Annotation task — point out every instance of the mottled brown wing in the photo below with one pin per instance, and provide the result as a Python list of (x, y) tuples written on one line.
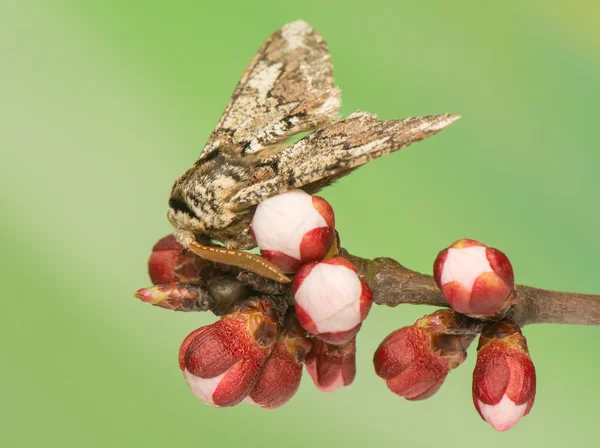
[(287, 88), (333, 151)]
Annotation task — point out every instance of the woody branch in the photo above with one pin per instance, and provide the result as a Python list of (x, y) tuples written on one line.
[(185, 282), (393, 284)]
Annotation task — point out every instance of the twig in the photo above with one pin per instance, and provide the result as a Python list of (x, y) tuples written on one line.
[(393, 284)]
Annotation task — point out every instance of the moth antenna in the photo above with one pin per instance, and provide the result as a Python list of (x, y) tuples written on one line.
[(241, 259)]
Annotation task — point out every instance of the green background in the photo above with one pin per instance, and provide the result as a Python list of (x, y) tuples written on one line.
[(104, 103)]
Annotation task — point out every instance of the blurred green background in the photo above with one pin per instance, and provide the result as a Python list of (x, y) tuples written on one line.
[(104, 103)]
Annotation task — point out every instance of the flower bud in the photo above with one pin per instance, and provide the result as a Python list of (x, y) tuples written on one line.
[(171, 263), (414, 361), (332, 366), (218, 295), (293, 228), (185, 296), (222, 362), (504, 376), (282, 372), (331, 299), (476, 280)]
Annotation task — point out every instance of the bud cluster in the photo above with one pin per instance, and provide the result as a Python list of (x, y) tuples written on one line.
[(478, 283), (223, 362), (296, 232), (255, 352)]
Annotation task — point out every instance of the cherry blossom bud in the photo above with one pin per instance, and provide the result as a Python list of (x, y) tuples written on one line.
[(282, 372), (476, 280), (293, 228), (222, 362), (331, 299), (171, 263), (504, 377), (414, 361), (332, 366)]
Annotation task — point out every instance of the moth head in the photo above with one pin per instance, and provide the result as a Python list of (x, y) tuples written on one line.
[(181, 216)]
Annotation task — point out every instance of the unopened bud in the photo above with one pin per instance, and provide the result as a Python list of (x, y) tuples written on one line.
[(186, 296), (282, 372), (171, 263), (293, 228), (222, 362), (476, 280), (414, 361), (504, 376), (331, 299)]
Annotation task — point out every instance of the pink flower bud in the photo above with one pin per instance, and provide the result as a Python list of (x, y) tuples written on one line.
[(293, 228), (171, 263), (476, 280), (331, 299), (222, 362), (414, 361), (504, 377), (282, 372), (332, 366)]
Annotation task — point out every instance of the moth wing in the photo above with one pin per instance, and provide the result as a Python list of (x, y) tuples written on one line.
[(332, 152), (287, 88)]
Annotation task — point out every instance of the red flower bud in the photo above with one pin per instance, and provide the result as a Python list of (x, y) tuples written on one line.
[(504, 377), (331, 299), (171, 263), (282, 372), (476, 280), (293, 228), (222, 362), (414, 361), (332, 366)]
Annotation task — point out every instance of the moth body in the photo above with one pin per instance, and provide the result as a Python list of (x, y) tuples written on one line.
[(200, 209), (287, 89)]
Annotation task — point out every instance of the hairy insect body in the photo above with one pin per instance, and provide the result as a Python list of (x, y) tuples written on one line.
[(199, 202)]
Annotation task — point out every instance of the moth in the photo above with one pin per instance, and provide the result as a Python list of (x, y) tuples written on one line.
[(287, 89)]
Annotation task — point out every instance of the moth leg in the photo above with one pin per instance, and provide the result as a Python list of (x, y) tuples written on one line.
[(241, 259)]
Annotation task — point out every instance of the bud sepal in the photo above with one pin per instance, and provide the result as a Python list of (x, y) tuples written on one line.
[(332, 366)]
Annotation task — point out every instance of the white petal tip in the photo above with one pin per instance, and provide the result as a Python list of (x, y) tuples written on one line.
[(503, 415), (203, 388), (465, 265)]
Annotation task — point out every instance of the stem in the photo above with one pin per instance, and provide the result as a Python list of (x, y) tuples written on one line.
[(392, 284)]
